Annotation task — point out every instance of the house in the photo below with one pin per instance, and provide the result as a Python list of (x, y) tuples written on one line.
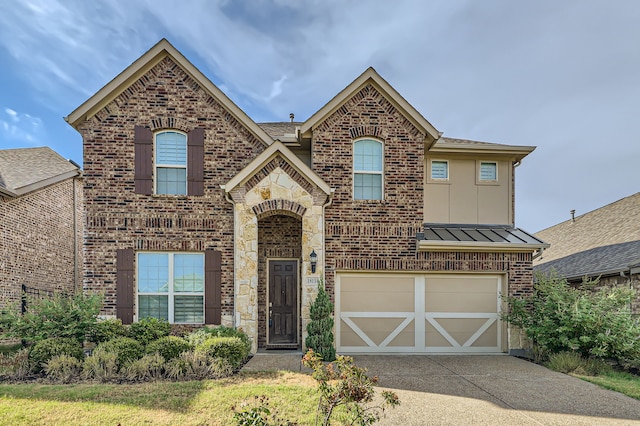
[(197, 214), (602, 244), (41, 223)]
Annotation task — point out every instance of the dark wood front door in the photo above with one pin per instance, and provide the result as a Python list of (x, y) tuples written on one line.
[(283, 302)]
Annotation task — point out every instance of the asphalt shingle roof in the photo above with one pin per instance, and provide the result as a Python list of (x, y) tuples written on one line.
[(278, 130), (604, 260), (23, 167)]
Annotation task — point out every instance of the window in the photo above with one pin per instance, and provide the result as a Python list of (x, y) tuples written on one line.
[(171, 163), (439, 170), (367, 170), (488, 171), (171, 287)]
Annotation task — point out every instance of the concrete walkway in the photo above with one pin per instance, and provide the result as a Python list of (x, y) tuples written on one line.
[(479, 390)]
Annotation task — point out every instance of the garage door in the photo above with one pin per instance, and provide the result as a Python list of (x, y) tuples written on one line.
[(443, 313)]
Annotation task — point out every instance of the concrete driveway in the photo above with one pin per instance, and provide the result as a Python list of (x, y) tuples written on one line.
[(493, 390), (479, 390)]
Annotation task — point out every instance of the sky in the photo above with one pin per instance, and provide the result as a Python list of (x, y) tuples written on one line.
[(560, 75)]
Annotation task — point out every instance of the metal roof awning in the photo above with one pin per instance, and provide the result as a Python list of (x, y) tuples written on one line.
[(445, 237)]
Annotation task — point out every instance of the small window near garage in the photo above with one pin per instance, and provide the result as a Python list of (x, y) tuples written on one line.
[(488, 171), (171, 163), (171, 287), (439, 170)]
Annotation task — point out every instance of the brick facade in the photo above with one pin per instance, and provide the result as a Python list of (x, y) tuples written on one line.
[(37, 240), (118, 218)]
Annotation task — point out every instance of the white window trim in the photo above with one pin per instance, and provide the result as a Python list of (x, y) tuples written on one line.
[(430, 174), (479, 179), (156, 165), (170, 294), (366, 172)]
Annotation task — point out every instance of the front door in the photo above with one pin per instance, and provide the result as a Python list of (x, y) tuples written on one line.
[(283, 302)]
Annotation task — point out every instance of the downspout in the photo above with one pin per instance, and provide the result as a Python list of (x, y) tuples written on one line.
[(228, 197)]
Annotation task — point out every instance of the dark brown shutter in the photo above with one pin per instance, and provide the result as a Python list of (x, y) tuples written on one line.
[(144, 160), (212, 287), (195, 162), (124, 285)]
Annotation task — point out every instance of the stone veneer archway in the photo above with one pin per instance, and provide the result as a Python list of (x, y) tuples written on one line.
[(281, 190)]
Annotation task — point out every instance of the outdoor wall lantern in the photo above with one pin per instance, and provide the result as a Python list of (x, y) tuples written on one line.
[(313, 257)]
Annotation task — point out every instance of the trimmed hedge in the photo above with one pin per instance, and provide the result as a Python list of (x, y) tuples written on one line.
[(125, 348), (232, 349), (169, 347), (42, 352)]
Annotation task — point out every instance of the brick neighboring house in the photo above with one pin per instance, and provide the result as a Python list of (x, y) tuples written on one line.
[(197, 214), (41, 222), (603, 243)]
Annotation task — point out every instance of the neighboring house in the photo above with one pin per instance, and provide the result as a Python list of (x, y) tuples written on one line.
[(197, 214), (602, 244), (41, 223)]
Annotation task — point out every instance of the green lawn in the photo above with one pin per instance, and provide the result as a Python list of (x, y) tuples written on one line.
[(625, 383), (293, 396)]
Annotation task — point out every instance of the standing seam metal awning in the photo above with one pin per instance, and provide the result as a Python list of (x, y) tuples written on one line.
[(478, 235)]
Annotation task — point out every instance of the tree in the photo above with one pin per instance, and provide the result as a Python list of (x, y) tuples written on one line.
[(320, 328)]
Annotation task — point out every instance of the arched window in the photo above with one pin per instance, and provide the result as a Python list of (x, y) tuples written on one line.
[(367, 170), (170, 163)]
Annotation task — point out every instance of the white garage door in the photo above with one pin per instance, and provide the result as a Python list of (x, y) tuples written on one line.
[(435, 313)]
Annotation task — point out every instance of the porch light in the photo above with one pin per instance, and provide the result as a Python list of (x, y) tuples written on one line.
[(313, 257)]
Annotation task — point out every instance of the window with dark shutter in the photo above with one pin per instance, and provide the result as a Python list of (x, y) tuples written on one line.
[(195, 168), (143, 139), (124, 285), (213, 287)]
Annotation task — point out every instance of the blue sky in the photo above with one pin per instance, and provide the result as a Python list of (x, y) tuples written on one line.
[(561, 75)]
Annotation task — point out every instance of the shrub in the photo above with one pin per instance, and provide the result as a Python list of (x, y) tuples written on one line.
[(126, 349), (169, 347), (257, 413), (15, 364), (320, 328), (558, 317), (105, 330), (565, 362), (101, 365), (68, 316), (230, 348), (193, 365), (150, 366), (63, 368), (44, 350), (149, 329), (197, 337), (343, 383)]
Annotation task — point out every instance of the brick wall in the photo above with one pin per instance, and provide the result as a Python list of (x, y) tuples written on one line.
[(380, 235), (116, 217), (37, 240), (279, 237), (632, 282)]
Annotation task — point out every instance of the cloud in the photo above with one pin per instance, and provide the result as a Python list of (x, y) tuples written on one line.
[(22, 127)]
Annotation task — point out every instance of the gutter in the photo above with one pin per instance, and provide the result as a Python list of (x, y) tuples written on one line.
[(479, 246)]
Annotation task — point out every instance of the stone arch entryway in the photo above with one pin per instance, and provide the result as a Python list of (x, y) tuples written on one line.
[(279, 290)]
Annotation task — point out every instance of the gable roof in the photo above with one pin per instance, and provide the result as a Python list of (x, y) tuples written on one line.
[(266, 156), (437, 236), (370, 76), (605, 260), (614, 223), (25, 170), (141, 66)]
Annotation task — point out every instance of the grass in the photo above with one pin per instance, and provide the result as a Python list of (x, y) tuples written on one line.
[(293, 396), (622, 382)]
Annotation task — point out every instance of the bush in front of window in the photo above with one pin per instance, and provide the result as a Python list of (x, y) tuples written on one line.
[(147, 330), (42, 352), (105, 330), (169, 347), (232, 349), (125, 348)]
